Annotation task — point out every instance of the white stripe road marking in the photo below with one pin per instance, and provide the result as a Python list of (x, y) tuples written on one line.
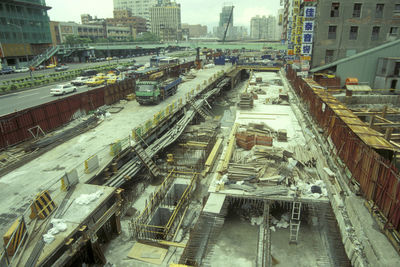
[(45, 96), (28, 95), (8, 95)]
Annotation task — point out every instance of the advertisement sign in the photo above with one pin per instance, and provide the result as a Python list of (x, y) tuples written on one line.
[(306, 49), (308, 26), (307, 37), (297, 49), (309, 12)]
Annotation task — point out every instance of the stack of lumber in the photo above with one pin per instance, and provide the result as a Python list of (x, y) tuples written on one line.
[(239, 172)]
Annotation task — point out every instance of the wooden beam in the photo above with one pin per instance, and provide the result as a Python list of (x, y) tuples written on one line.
[(388, 125), (370, 113), (382, 119)]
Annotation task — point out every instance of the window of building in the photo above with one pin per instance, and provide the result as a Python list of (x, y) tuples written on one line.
[(329, 55), (397, 69), (332, 32), (393, 31), (379, 11), (396, 9), (357, 10), (375, 33), (353, 33), (335, 10)]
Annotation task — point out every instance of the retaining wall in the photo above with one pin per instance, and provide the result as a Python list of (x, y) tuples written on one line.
[(372, 169)]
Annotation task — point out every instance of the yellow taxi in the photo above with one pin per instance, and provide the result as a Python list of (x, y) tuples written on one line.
[(101, 76), (51, 66), (95, 81), (112, 80)]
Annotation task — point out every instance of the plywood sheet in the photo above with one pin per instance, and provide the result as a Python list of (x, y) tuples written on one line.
[(147, 253)]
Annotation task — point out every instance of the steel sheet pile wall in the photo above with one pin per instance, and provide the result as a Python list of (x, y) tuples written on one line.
[(49, 116), (377, 176), (115, 92)]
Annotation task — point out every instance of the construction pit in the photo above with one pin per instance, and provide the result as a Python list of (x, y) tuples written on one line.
[(244, 183)]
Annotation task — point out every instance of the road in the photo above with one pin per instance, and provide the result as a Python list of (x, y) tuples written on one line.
[(30, 98), (17, 101), (71, 66)]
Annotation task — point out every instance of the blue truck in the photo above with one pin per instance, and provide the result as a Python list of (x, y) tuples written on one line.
[(156, 88)]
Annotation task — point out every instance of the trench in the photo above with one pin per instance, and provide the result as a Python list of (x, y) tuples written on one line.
[(231, 238)]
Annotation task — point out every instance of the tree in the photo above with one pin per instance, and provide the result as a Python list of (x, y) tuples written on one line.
[(75, 39), (147, 37)]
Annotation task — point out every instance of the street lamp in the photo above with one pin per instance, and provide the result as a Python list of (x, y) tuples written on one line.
[(23, 40)]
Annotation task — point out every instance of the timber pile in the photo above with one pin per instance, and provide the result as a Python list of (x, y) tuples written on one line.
[(243, 172)]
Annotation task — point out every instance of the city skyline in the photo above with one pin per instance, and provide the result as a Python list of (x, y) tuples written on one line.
[(193, 11)]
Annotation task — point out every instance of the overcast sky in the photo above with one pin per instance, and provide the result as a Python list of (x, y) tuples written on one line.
[(204, 12)]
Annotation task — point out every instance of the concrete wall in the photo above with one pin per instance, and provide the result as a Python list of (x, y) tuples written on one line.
[(342, 46), (365, 67)]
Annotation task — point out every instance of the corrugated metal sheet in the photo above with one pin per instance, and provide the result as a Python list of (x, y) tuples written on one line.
[(14, 127)]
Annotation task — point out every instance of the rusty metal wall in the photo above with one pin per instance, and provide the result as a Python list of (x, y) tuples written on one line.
[(49, 116), (377, 176)]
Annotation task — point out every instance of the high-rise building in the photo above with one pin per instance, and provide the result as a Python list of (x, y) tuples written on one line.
[(344, 28), (24, 30), (225, 16), (263, 28), (271, 28), (139, 8), (257, 27), (165, 20)]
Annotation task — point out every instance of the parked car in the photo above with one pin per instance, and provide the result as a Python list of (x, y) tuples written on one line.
[(51, 66), (6, 70), (63, 89), (40, 67), (21, 70), (61, 68), (79, 80)]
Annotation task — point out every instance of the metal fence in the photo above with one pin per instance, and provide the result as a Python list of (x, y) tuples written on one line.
[(372, 168)]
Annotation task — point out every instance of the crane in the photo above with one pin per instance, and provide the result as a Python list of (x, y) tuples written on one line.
[(227, 26)]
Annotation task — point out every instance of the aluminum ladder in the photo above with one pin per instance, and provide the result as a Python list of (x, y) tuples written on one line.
[(295, 223)]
